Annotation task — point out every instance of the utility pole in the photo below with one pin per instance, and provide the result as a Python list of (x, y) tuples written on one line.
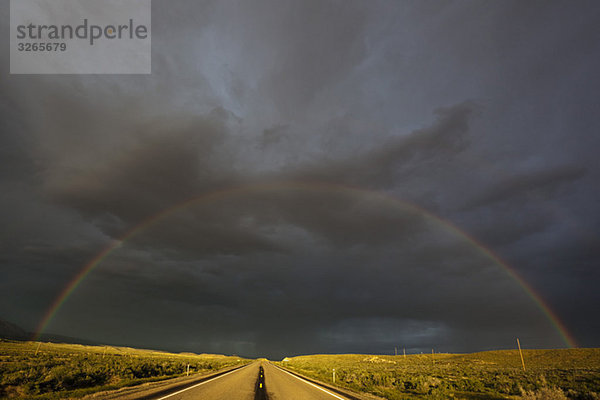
[(521, 354)]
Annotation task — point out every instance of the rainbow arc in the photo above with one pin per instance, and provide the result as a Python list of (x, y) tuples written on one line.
[(215, 196)]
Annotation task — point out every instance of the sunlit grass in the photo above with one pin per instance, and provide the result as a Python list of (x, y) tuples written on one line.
[(37, 370), (485, 375)]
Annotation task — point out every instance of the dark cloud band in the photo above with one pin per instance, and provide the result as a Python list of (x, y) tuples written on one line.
[(279, 187)]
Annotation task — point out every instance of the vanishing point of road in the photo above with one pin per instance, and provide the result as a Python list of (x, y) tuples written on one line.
[(256, 381)]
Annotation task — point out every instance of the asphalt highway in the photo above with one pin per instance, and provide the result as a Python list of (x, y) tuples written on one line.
[(257, 381), (283, 385)]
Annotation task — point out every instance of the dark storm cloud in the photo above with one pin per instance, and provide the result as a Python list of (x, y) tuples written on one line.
[(397, 157), (154, 172), (539, 184), (513, 228), (482, 115)]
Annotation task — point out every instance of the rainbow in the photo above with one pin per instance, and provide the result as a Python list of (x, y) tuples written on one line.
[(304, 186)]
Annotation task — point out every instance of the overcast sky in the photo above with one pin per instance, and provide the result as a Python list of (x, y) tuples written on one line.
[(482, 114)]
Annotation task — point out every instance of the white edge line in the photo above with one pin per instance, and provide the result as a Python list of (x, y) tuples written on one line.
[(310, 383), (201, 383)]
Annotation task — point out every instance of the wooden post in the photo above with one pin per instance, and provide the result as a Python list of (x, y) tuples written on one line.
[(521, 354), (188, 370), (334, 375)]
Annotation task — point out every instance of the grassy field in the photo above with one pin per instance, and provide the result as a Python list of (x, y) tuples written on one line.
[(35, 370), (550, 374)]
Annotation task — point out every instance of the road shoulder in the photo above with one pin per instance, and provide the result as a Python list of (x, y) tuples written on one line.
[(335, 389), (155, 389)]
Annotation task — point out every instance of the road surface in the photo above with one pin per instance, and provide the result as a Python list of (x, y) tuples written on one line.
[(282, 385), (245, 384)]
